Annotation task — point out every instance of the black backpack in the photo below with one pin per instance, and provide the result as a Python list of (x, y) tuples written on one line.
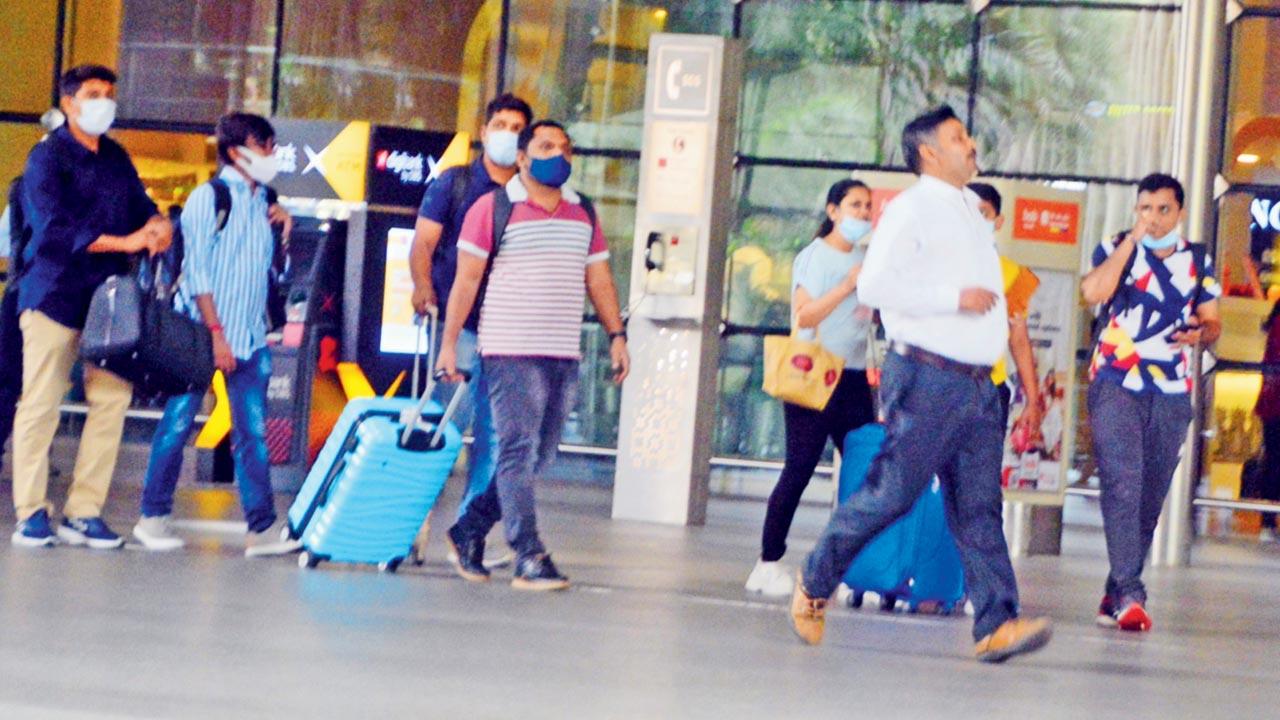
[(276, 295)]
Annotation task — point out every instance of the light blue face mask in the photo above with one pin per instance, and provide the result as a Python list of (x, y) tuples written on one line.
[(990, 225), (500, 146), (1160, 243), (853, 230)]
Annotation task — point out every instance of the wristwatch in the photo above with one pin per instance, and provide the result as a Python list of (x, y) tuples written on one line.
[(615, 335)]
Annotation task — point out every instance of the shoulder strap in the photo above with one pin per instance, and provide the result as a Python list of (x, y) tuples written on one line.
[(1109, 305), (461, 179), (590, 208), (502, 208), (221, 202)]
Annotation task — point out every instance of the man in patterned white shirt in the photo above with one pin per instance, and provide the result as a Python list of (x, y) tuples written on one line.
[(224, 284), (540, 259), (1159, 305)]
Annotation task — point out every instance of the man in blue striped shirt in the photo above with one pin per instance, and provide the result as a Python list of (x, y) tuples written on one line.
[(224, 284)]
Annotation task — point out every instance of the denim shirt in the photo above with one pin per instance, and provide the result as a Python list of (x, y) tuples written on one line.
[(72, 196)]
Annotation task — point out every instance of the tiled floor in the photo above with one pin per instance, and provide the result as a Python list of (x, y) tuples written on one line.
[(657, 626)]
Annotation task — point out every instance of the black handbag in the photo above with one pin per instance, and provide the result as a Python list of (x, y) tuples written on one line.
[(132, 330)]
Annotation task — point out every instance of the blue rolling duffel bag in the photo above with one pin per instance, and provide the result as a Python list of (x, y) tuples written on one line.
[(378, 475), (914, 559)]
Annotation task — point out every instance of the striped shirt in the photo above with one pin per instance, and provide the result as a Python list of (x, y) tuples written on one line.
[(537, 285), (231, 265)]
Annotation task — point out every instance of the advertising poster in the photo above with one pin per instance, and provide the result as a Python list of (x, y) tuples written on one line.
[(1036, 464), (398, 331)]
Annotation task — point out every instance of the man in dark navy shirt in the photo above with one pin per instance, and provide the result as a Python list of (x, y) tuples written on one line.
[(87, 211), (433, 262)]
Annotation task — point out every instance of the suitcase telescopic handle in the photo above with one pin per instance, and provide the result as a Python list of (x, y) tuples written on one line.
[(433, 313), (411, 417)]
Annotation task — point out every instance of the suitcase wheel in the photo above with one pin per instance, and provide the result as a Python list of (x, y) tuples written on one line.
[(308, 560), (888, 601), (390, 566), (286, 533)]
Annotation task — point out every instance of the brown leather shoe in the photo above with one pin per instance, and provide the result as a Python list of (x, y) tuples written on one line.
[(808, 615), (1014, 637)]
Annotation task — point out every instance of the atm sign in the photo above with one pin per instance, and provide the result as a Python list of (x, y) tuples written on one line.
[(1046, 221)]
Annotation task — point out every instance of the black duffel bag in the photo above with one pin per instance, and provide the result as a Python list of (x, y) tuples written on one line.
[(133, 331)]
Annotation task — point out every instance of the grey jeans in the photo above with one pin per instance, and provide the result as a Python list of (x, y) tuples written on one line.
[(938, 422), (1137, 440), (530, 398)]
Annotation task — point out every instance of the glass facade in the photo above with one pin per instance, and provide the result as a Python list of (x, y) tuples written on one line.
[(1048, 90), (1248, 251)]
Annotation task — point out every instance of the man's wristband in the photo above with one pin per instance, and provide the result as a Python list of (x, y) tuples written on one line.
[(615, 335), (215, 328)]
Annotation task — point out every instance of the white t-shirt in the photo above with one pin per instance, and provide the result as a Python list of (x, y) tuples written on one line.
[(818, 269)]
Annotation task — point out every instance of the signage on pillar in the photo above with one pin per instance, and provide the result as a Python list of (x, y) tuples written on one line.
[(322, 159), (1045, 221), (684, 81), (403, 161)]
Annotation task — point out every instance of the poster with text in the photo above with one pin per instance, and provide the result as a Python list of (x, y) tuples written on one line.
[(1034, 462), (398, 330)]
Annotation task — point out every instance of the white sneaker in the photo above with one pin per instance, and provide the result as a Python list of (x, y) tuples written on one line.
[(770, 579), (272, 541), (156, 534)]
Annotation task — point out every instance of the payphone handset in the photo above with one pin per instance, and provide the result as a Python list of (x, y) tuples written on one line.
[(671, 261)]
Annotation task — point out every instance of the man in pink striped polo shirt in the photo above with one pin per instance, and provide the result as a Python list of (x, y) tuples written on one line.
[(532, 282)]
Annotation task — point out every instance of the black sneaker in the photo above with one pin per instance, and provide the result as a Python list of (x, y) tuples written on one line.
[(467, 556), (537, 572)]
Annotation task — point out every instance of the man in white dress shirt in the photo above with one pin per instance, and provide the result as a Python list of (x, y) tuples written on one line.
[(933, 272)]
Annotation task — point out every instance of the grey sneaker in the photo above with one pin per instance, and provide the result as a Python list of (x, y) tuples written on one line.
[(156, 534), (271, 541)]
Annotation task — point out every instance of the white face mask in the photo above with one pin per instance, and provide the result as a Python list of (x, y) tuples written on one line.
[(260, 168), (500, 146), (96, 116)]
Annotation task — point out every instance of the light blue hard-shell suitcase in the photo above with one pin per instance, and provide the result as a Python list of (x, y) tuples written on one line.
[(378, 475)]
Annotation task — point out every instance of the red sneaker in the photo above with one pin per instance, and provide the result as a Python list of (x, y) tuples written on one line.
[(1133, 617)]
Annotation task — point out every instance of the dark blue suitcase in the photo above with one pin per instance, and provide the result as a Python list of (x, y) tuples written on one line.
[(914, 559), (884, 565)]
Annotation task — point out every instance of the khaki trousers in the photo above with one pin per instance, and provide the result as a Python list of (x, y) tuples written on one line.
[(49, 351)]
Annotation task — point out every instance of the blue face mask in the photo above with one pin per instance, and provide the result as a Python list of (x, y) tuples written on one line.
[(551, 171), (1160, 243), (990, 225), (853, 230)]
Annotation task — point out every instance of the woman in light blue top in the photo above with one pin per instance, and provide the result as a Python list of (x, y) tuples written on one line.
[(824, 277)]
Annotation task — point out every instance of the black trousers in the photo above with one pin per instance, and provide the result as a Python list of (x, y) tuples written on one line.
[(1271, 468), (807, 433), (10, 363)]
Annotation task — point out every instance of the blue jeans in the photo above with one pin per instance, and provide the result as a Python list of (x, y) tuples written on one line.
[(247, 391), (1137, 440), (938, 422), (481, 457), (530, 398)]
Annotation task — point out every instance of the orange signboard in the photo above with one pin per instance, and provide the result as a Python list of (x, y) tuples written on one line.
[(1046, 221), (879, 198)]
